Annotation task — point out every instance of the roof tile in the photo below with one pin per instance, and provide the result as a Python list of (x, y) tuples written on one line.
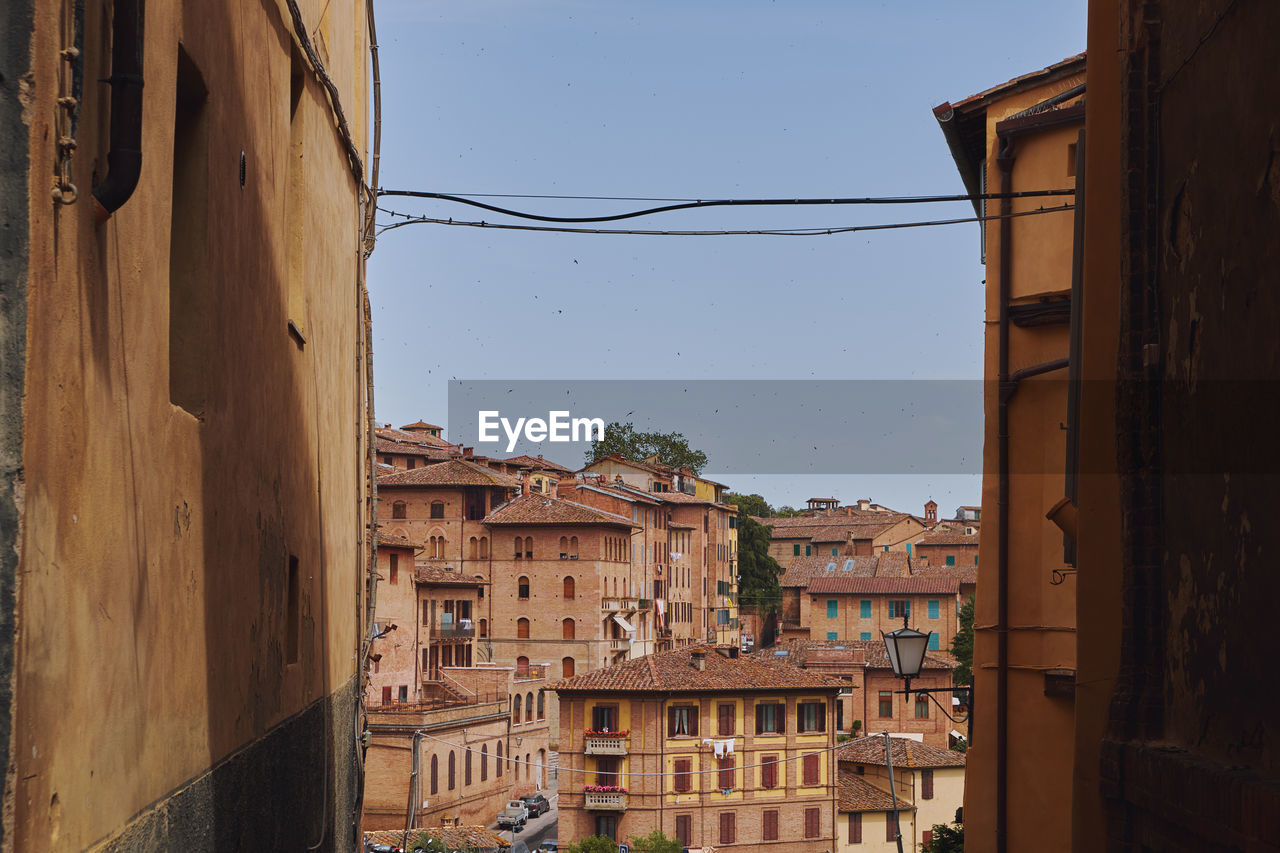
[(673, 671), (906, 753), (455, 472)]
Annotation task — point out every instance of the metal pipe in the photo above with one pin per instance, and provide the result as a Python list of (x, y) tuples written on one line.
[(1004, 159), (893, 791), (124, 156)]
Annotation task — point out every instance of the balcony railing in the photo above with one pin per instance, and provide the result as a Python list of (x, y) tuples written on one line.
[(606, 802), (619, 644), (626, 605), (532, 671), (454, 632), (606, 745)]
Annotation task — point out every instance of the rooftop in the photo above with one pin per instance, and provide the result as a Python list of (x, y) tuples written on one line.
[(455, 472), (674, 671), (835, 584), (948, 537), (906, 753), (856, 794), (803, 652), (388, 540), (537, 463), (544, 509), (441, 576)]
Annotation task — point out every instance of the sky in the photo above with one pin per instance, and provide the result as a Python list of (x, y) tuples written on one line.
[(709, 99)]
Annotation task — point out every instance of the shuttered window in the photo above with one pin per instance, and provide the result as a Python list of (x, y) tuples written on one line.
[(855, 828), (725, 719), (682, 720), (811, 768), (728, 827), (769, 771), (771, 718), (770, 832), (926, 784), (812, 717), (725, 776), (890, 826), (864, 608), (684, 829), (933, 608), (812, 823), (684, 775)]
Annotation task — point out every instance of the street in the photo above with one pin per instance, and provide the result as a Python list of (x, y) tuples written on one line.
[(537, 829)]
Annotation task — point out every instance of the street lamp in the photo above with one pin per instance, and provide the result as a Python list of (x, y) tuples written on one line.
[(906, 648)]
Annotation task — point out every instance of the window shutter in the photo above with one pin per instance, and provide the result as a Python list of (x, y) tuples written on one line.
[(694, 713), (770, 825), (822, 716), (684, 829), (759, 720), (683, 768), (726, 713), (811, 769), (812, 822), (726, 772), (855, 828), (890, 826), (671, 721), (926, 784)]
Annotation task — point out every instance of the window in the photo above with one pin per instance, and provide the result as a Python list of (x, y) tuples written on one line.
[(926, 784), (564, 547), (899, 609), (528, 706), (833, 608), (437, 509), (528, 547), (497, 769), (833, 635), (394, 573), (951, 559), (769, 771), (474, 549), (864, 608), (607, 770), (795, 550), (682, 720), (922, 707), (865, 635), (516, 704), (453, 771), (522, 588), (890, 826), (522, 628), (769, 831), (484, 627), (725, 775), (542, 704), (569, 589), (573, 547), (725, 719), (566, 668), (835, 552), (926, 836), (855, 828), (808, 550), (484, 547), (683, 775), (398, 510), (404, 693), (934, 641), (435, 774), (811, 717), (607, 826), (728, 827), (567, 630), (684, 829), (466, 768), (771, 718), (519, 547), (886, 703), (522, 665), (933, 608), (604, 717), (812, 823), (484, 762), (810, 769)]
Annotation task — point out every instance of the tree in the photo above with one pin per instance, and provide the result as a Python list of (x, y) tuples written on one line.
[(962, 645), (594, 844), (947, 838), (749, 504), (655, 842), (671, 447), (787, 512), (757, 572)]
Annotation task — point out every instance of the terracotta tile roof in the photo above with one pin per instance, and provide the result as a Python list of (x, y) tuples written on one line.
[(960, 574), (390, 540), (613, 490), (906, 753), (832, 585), (413, 437), (894, 564), (622, 460), (442, 575), (544, 509), (1030, 78), (673, 671), (537, 463), (414, 448), (948, 537), (680, 498), (802, 652), (455, 472), (804, 569), (468, 838), (421, 425), (856, 794)]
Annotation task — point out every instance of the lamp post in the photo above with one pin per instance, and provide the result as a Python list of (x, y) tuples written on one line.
[(906, 648)]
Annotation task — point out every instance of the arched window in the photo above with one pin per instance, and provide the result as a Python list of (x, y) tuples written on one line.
[(569, 589), (516, 705), (528, 547), (437, 509), (484, 627), (522, 588), (573, 546), (498, 768), (453, 770), (542, 704), (484, 547), (567, 630), (566, 668), (484, 762), (435, 774), (522, 628), (516, 761), (519, 547), (528, 706), (564, 547), (398, 510), (522, 665), (466, 768), (474, 549)]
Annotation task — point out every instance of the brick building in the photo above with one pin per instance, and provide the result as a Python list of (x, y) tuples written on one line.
[(867, 820), (843, 532), (928, 778), (944, 547), (842, 606), (664, 761)]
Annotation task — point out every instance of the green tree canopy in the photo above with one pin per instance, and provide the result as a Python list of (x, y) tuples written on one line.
[(757, 572), (947, 838), (962, 645), (749, 504), (671, 447), (594, 844), (655, 842)]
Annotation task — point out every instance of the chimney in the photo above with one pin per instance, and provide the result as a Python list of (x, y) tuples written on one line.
[(859, 655), (468, 452), (698, 660), (733, 652)]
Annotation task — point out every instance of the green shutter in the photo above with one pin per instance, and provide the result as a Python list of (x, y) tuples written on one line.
[(933, 609), (795, 550), (951, 559), (833, 635), (866, 635), (864, 609), (833, 608)]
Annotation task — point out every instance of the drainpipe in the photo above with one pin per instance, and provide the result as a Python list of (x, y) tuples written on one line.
[(124, 157)]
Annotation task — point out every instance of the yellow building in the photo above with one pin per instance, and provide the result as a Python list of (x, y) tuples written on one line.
[(184, 429), (1017, 137)]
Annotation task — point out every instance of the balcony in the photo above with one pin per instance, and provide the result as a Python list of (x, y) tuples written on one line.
[(623, 605), (619, 644), (532, 672), (454, 632), (614, 743), (606, 802)]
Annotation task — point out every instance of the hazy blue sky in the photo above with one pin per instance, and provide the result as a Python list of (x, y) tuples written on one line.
[(688, 100)]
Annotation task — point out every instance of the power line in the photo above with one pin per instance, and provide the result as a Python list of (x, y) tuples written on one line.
[(773, 232), (729, 202)]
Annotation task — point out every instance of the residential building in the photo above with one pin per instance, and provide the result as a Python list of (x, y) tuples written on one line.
[(841, 605), (947, 548), (844, 532), (185, 557), (869, 817), (413, 445), (930, 778), (872, 699), (712, 748), (1023, 135)]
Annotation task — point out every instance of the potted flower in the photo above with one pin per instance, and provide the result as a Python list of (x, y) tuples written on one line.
[(604, 789), (606, 733)]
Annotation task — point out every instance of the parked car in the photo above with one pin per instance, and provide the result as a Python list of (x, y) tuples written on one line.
[(537, 804), (549, 845), (513, 815)]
